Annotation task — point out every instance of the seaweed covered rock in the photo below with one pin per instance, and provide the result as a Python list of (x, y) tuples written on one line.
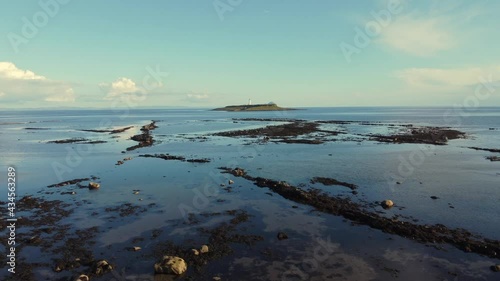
[(171, 265)]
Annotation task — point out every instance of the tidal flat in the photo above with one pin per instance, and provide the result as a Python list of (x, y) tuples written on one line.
[(289, 195)]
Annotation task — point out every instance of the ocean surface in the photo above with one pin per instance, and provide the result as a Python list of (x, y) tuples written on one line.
[(466, 183)]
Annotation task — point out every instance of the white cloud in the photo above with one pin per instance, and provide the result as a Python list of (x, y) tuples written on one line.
[(122, 87), (426, 30), (418, 36), (9, 71), (448, 78), (27, 86)]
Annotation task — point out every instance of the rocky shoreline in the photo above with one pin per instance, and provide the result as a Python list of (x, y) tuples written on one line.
[(340, 206), (310, 132), (144, 139), (48, 229)]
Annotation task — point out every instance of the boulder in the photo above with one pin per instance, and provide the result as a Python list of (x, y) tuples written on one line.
[(101, 267), (204, 249), (239, 172), (94, 185), (195, 252), (387, 204), (171, 265), (495, 268)]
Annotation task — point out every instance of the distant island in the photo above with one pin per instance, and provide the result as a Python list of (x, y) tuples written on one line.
[(254, 107)]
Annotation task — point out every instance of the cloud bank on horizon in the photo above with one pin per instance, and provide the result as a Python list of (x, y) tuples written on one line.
[(328, 53)]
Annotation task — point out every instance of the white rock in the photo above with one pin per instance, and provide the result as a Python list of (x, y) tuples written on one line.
[(387, 204), (204, 249)]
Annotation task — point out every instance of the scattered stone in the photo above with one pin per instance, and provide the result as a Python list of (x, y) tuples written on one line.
[(134, 249), (434, 197), (195, 252), (495, 268), (59, 267), (387, 204), (282, 236), (204, 249), (230, 181), (171, 265), (82, 277), (94, 185), (119, 163), (398, 182), (101, 267), (68, 192), (239, 172)]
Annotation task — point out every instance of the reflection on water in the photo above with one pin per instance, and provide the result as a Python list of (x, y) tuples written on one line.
[(463, 180)]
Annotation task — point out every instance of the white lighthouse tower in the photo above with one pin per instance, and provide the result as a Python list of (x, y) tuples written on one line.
[(249, 102)]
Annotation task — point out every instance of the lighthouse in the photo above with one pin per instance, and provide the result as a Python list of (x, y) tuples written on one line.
[(249, 102)]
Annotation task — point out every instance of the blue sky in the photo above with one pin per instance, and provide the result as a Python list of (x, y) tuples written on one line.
[(75, 53)]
